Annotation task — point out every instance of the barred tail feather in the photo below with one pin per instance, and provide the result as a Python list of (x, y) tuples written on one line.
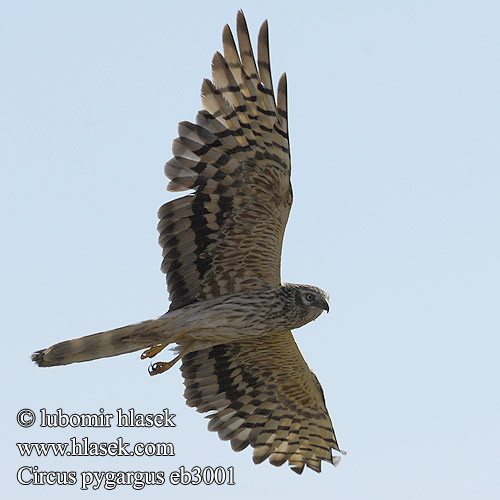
[(104, 344)]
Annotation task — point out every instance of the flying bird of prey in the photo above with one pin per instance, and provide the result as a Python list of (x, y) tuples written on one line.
[(231, 317)]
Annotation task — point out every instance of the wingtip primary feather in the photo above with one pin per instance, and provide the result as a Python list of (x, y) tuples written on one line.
[(283, 101), (263, 59)]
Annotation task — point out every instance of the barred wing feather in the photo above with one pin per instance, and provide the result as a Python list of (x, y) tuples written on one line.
[(227, 236), (263, 395)]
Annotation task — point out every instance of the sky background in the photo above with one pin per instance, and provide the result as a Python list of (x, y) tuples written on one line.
[(394, 125)]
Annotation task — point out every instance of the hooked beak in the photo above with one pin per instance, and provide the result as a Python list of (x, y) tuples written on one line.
[(326, 306)]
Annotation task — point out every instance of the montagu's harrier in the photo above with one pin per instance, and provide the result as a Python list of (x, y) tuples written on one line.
[(231, 317)]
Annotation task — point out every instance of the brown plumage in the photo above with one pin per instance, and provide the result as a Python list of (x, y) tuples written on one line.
[(264, 395), (230, 316)]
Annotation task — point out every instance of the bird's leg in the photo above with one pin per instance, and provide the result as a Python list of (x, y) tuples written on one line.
[(153, 351), (161, 367)]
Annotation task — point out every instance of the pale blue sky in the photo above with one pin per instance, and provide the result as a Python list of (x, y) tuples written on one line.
[(395, 126)]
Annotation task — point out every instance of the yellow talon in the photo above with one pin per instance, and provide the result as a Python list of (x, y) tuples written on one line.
[(153, 351), (162, 366)]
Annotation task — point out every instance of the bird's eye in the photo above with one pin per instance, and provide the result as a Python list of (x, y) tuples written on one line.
[(309, 297)]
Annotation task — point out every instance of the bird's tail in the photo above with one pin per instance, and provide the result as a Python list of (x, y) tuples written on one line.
[(104, 344)]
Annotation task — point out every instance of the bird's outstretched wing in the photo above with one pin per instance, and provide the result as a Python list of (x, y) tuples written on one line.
[(264, 395), (227, 236)]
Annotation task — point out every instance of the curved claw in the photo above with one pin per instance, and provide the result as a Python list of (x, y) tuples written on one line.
[(157, 368), (153, 351), (162, 366)]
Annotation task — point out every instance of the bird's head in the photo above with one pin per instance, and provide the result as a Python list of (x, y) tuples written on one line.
[(305, 303)]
